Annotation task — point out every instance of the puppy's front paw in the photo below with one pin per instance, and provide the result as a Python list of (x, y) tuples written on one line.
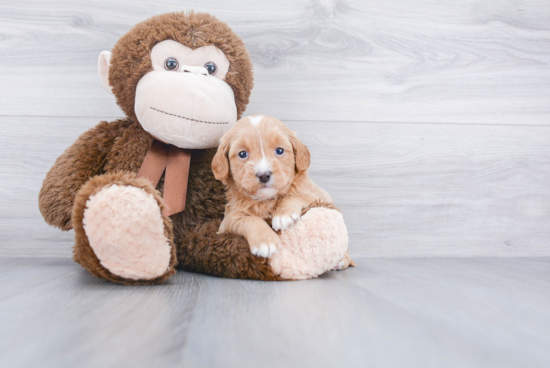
[(264, 250), (284, 222), (265, 245)]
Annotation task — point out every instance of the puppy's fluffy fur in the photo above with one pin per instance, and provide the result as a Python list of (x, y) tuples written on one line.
[(264, 166)]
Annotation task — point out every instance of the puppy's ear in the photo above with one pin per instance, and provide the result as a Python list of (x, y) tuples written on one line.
[(301, 153), (220, 163)]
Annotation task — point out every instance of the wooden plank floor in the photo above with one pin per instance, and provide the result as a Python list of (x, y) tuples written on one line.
[(384, 313)]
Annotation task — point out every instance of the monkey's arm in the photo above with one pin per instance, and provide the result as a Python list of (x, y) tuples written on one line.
[(81, 161)]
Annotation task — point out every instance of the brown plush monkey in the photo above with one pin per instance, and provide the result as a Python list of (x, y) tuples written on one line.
[(182, 80)]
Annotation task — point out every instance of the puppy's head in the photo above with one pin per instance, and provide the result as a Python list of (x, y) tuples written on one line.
[(260, 157)]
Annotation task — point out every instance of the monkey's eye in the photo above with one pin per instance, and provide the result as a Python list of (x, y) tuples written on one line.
[(171, 64), (243, 154), (279, 151), (211, 67)]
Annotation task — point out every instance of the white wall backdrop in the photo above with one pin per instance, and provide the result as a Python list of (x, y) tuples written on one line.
[(428, 120)]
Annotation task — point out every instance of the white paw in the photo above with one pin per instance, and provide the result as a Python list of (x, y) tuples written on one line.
[(339, 266), (264, 250), (284, 222)]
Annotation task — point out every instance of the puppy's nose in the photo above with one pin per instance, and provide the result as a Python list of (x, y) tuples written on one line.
[(264, 176)]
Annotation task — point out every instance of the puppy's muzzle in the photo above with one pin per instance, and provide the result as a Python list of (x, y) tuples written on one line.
[(264, 177)]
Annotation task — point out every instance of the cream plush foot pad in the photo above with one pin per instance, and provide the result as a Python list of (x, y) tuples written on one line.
[(316, 244), (125, 229)]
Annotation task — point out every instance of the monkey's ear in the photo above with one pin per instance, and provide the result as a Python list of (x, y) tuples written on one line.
[(103, 64), (301, 153), (220, 163)]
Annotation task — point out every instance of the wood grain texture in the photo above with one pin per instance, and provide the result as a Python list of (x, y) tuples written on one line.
[(414, 190), (473, 61), (463, 171), (436, 189), (384, 313)]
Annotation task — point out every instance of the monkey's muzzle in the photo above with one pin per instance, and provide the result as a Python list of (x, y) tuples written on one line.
[(188, 110)]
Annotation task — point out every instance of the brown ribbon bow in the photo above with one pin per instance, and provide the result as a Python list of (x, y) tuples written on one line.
[(175, 161)]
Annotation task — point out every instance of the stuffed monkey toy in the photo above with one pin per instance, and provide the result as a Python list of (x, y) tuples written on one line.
[(140, 193)]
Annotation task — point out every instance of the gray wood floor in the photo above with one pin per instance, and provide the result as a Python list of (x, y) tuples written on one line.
[(384, 313)]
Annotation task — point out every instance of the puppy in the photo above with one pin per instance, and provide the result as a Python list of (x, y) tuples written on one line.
[(264, 166)]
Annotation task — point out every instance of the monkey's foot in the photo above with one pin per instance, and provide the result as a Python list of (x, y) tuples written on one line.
[(123, 227), (316, 244)]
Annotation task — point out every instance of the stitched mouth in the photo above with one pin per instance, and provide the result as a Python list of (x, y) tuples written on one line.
[(195, 120)]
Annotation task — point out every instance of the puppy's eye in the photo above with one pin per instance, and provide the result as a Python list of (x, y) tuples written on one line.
[(211, 67), (243, 154), (171, 64), (279, 151)]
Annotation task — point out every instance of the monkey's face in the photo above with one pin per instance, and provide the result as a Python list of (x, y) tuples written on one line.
[(184, 100), (185, 77)]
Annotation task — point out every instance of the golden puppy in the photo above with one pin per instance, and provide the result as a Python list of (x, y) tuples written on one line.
[(264, 166)]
